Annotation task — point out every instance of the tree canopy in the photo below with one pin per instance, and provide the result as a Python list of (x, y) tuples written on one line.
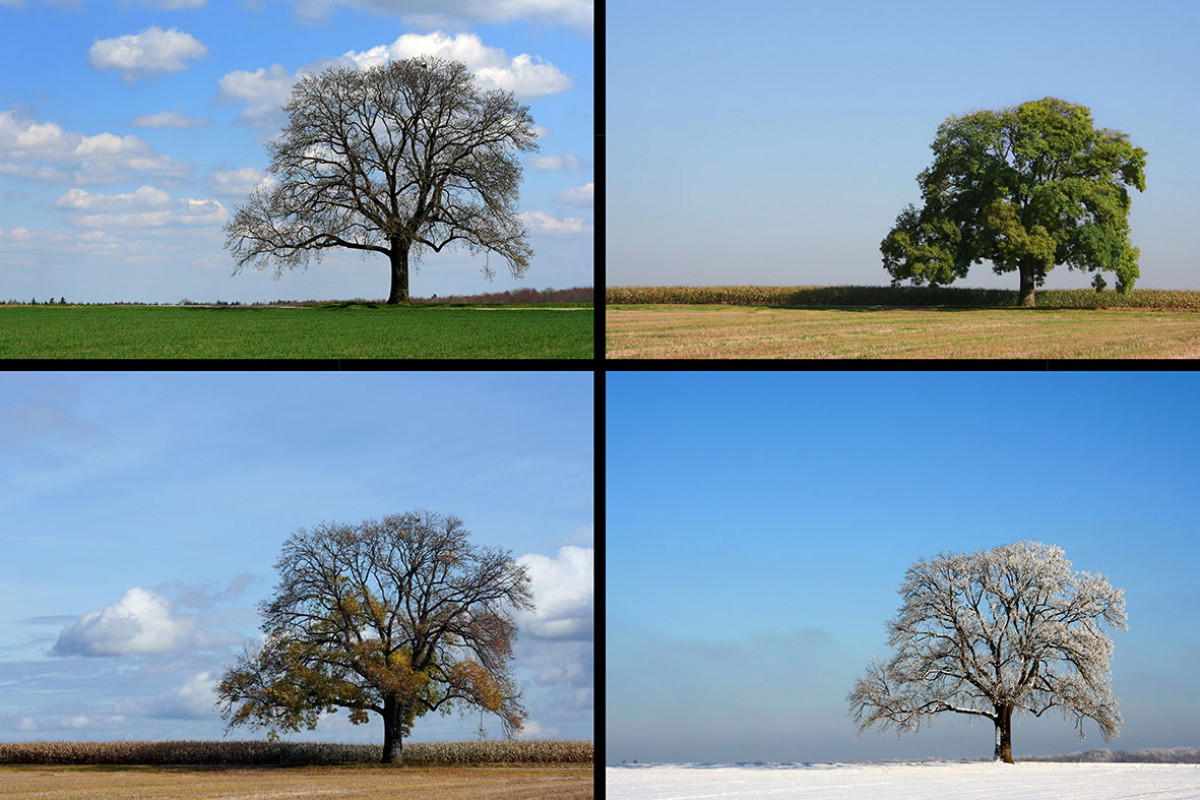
[(993, 633), (399, 617), (392, 159), (1027, 188)]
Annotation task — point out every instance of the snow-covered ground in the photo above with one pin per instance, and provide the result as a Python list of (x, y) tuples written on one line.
[(945, 781)]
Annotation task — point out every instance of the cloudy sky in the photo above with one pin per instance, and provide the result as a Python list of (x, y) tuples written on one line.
[(759, 527), (130, 130), (144, 512), (772, 142)]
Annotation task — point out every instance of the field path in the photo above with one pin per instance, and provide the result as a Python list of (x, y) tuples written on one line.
[(908, 782)]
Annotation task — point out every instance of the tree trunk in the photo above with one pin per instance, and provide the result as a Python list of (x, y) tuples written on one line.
[(1027, 283), (1004, 734), (399, 260), (393, 744)]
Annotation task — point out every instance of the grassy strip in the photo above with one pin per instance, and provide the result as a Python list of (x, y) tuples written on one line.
[(291, 753), (902, 296), (285, 333)]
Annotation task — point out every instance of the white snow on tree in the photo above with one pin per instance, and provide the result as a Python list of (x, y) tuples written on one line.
[(1011, 630)]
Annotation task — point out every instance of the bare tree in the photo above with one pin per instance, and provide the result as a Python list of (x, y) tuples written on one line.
[(390, 159), (992, 634), (399, 617)]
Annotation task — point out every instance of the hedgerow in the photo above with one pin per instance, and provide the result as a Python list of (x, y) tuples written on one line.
[(900, 296), (291, 753)]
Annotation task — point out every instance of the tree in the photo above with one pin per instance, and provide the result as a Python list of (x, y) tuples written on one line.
[(391, 159), (399, 617), (1027, 188), (992, 634)]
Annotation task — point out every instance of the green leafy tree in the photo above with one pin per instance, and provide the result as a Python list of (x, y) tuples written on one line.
[(399, 617), (1027, 188)]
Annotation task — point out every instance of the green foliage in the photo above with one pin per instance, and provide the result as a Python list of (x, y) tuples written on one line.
[(1027, 188), (290, 753), (898, 296)]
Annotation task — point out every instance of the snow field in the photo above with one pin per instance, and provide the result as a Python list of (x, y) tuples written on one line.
[(944, 781)]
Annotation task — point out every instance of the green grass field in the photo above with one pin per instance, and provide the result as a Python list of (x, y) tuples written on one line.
[(338, 331)]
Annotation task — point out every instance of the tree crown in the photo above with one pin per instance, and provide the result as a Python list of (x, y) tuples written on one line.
[(402, 611), (409, 154), (1026, 188), (1013, 627)]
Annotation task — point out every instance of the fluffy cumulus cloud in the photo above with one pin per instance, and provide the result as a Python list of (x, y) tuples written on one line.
[(151, 51), (556, 162), (141, 621), (578, 195), (44, 151), (559, 226), (264, 91), (148, 207), (168, 119), (563, 593), (193, 700), (524, 75)]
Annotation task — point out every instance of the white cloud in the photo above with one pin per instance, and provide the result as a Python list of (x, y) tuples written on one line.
[(140, 622), (168, 119), (148, 207), (578, 195), (577, 14), (524, 75), (549, 163), (532, 729), (239, 182), (193, 700), (563, 593), (264, 91), (152, 50), (44, 151), (546, 223)]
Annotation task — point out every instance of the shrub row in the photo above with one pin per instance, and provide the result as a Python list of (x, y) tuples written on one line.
[(897, 296), (290, 753)]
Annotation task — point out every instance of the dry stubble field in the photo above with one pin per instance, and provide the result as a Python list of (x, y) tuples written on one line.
[(278, 783), (682, 331)]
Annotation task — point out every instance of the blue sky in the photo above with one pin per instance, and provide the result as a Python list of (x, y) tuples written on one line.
[(131, 129), (759, 526), (774, 143), (165, 499)]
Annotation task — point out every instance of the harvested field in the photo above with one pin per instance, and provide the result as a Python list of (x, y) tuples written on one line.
[(723, 332), (274, 783)]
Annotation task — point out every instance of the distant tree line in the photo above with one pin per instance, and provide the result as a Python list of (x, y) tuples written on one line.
[(582, 294)]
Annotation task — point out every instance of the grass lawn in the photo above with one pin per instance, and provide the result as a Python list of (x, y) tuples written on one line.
[(710, 331), (287, 333), (345, 783)]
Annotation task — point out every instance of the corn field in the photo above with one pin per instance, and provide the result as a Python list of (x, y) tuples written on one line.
[(896, 296), (292, 753)]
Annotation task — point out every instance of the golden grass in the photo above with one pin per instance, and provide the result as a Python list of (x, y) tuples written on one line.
[(275, 783), (722, 332)]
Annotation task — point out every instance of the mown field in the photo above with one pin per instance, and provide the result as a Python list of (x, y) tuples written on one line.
[(722, 332), (897, 323), (517, 782), (333, 332)]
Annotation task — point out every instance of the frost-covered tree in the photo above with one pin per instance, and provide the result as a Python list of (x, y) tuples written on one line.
[(995, 633)]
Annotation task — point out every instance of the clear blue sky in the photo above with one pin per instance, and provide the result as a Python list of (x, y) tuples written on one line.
[(774, 143), (131, 129), (162, 501), (759, 526)]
